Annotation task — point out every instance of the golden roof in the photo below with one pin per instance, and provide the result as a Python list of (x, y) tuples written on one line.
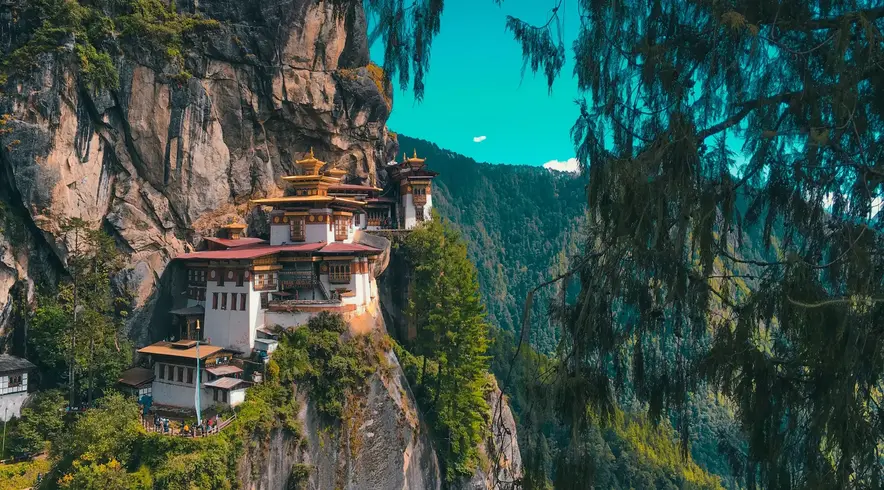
[(311, 164), (414, 159), (307, 199), (234, 226), (293, 199), (308, 179), (336, 172)]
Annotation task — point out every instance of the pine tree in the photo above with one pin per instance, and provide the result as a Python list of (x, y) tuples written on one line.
[(80, 327), (452, 334)]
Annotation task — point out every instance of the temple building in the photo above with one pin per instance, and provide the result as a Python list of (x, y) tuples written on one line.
[(318, 258), (413, 183), (13, 385), (175, 375)]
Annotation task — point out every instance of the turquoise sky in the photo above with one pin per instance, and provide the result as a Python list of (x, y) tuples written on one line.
[(475, 89)]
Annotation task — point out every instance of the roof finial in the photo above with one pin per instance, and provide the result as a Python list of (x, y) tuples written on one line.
[(415, 153), (311, 152), (404, 157)]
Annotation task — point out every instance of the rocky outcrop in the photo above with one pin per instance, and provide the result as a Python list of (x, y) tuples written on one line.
[(162, 161), (382, 443), (503, 468)]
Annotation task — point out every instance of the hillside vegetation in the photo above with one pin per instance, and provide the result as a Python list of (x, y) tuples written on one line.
[(521, 224)]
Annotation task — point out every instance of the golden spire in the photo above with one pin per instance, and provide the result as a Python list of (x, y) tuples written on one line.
[(311, 164), (415, 154)]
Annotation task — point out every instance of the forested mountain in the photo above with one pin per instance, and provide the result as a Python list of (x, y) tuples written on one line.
[(520, 222), (521, 225)]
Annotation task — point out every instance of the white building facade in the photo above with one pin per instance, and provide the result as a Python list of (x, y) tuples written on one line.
[(13, 385)]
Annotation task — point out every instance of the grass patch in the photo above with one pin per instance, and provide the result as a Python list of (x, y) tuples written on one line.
[(22, 475)]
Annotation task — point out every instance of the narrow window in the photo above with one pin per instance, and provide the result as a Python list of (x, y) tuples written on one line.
[(297, 229), (180, 374), (223, 301), (214, 301), (215, 395), (240, 278), (162, 370), (242, 301), (220, 277), (190, 376), (233, 301), (224, 396)]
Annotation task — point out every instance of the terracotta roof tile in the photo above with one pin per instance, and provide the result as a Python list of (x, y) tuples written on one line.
[(239, 242), (250, 252), (225, 383), (168, 349), (338, 247), (136, 377)]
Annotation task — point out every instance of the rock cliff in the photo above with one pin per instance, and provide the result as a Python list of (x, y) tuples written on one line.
[(381, 444), (162, 160)]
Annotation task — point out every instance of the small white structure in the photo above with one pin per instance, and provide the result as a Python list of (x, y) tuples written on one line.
[(415, 184), (175, 375), (13, 385)]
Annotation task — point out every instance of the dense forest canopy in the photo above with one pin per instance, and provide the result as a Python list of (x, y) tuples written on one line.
[(670, 300)]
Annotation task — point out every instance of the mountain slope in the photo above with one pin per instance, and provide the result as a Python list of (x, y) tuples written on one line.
[(520, 224)]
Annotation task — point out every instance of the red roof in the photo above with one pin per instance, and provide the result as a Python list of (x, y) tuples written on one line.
[(246, 253), (380, 200), (240, 242), (338, 247), (352, 187)]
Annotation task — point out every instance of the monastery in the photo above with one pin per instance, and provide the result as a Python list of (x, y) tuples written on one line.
[(318, 258)]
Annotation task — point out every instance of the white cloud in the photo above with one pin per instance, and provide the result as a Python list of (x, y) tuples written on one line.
[(479, 139), (571, 165)]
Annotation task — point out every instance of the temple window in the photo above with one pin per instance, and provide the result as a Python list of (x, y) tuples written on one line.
[(339, 273), (223, 301), (297, 227), (240, 278), (264, 281), (214, 301), (419, 213), (342, 228), (242, 301)]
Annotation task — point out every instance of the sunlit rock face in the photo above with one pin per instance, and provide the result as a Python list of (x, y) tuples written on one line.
[(161, 161)]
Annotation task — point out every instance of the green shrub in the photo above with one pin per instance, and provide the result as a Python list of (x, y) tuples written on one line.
[(329, 365)]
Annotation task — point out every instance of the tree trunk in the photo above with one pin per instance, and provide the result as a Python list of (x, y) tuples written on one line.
[(91, 369)]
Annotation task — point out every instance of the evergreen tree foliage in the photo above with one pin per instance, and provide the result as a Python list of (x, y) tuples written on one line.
[(666, 84), (91, 452), (452, 335), (796, 342), (78, 331), (323, 357), (520, 225), (40, 421)]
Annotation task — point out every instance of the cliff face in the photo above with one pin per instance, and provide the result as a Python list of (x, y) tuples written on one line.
[(160, 162), (381, 444)]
